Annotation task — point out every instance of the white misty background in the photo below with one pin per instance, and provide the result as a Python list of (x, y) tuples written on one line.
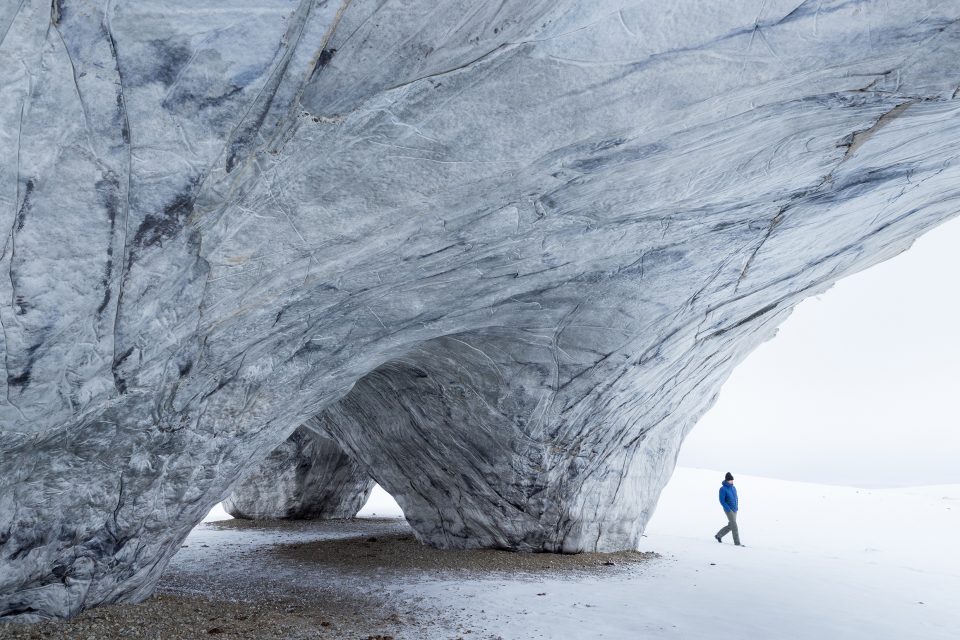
[(861, 387)]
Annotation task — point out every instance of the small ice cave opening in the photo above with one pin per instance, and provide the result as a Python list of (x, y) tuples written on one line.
[(380, 504)]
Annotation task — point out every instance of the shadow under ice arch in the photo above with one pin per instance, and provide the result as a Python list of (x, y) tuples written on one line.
[(241, 225)]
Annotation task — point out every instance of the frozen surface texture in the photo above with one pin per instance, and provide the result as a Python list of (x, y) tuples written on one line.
[(308, 476), (505, 252)]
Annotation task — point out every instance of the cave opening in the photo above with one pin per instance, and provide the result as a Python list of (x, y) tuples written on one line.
[(380, 504), (859, 386)]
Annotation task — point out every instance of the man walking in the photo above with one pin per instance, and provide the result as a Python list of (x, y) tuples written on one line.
[(728, 499)]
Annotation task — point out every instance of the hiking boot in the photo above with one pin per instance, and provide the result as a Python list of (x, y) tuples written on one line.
[(717, 538)]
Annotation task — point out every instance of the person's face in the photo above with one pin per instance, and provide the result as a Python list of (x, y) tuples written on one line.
[(729, 481)]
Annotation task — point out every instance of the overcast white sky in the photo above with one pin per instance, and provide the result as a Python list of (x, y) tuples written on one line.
[(860, 387)]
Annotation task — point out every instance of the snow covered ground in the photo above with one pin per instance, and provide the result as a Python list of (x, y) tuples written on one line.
[(820, 562)]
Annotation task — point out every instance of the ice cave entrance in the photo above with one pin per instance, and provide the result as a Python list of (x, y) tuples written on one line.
[(859, 387), (380, 504)]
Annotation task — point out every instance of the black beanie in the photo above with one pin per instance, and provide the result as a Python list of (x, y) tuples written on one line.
[(728, 477)]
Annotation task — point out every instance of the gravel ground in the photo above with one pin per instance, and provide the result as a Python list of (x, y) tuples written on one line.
[(399, 553), (164, 616), (311, 579)]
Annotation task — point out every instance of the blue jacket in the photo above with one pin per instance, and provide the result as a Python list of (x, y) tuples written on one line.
[(728, 497)]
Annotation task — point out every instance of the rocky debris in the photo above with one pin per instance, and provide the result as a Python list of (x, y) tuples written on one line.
[(192, 618), (402, 552)]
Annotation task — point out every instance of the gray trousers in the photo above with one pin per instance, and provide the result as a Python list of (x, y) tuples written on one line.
[(731, 526)]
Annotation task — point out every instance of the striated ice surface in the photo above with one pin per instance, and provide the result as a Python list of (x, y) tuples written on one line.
[(504, 253)]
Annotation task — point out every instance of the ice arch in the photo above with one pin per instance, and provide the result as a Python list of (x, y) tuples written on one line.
[(241, 220), (308, 476)]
